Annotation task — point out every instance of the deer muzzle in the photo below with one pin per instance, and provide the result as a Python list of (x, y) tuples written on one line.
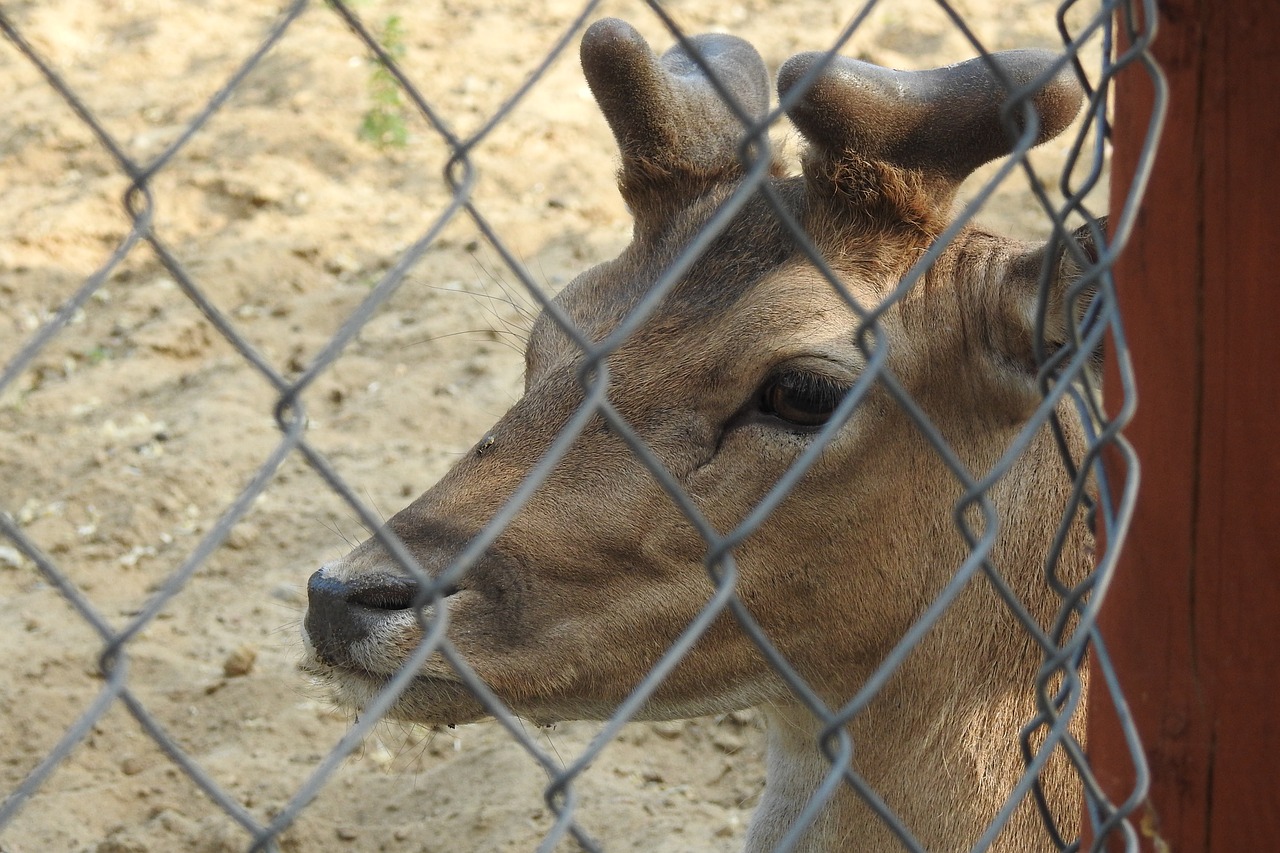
[(346, 616)]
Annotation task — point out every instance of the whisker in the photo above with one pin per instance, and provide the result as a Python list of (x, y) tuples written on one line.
[(515, 298), (550, 776), (518, 327), (382, 515), (332, 526), (499, 340), (482, 295), (551, 743)]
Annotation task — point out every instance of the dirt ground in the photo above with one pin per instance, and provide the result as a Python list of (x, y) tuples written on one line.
[(134, 429)]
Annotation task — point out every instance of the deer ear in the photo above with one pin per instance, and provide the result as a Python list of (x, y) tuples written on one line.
[(676, 132), (1048, 291)]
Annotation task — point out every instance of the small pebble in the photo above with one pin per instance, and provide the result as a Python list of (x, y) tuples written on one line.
[(240, 662)]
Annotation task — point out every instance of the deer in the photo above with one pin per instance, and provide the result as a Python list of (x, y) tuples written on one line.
[(728, 377)]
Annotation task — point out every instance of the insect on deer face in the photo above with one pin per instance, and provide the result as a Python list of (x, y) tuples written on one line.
[(737, 371)]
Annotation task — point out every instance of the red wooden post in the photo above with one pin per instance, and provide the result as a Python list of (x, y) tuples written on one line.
[(1193, 619)]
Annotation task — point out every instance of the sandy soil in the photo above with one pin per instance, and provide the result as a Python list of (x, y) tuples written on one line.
[(136, 427)]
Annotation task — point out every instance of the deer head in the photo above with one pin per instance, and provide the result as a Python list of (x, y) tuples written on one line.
[(726, 380)]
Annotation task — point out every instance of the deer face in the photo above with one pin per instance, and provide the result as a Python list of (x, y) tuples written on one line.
[(736, 372)]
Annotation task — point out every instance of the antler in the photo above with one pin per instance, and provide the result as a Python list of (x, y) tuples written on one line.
[(666, 115), (944, 122)]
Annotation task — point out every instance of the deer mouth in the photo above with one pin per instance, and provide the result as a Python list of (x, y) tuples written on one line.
[(366, 620), (358, 634), (426, 700)]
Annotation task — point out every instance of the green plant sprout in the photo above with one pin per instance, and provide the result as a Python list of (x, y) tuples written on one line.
[(385, 122)]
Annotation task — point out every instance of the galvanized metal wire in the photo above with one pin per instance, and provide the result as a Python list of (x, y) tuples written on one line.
[(1064, 647)]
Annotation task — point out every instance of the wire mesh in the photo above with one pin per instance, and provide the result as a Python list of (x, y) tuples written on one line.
[(1117, 32)]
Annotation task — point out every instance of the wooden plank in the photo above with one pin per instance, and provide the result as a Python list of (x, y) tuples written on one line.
[(1238, 531), (1192, 619)]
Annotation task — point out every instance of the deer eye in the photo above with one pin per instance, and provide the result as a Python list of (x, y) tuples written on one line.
[(802, 399)]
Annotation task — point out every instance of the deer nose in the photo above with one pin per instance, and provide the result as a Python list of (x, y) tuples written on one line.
[(341, 613)]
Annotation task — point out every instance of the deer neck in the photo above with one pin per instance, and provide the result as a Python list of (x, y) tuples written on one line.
[(943, 767)]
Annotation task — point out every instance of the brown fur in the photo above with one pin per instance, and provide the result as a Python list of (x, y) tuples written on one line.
[(600, 570)]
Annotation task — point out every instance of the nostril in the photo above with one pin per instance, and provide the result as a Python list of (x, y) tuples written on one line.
[(378, 592), (391, 593), (387, 593)]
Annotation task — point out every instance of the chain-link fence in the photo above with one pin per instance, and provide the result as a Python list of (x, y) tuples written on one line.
[(125, 517)]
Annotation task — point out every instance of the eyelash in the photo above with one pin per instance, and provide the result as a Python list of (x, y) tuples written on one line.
[(801, 398)]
